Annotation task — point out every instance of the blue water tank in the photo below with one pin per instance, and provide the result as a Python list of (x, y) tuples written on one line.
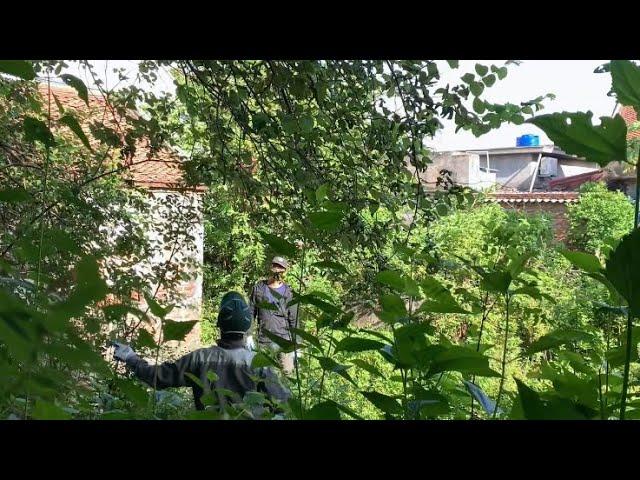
[(528, 141)]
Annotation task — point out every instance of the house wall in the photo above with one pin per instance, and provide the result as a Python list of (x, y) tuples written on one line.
[(568, 168), (177, 231), (514, 171)]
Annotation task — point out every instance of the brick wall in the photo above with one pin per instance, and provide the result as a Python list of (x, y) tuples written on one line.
[(557, 211)]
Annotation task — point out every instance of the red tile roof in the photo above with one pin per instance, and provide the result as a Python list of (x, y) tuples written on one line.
[(574, 181), (160, 169), (533, 197), (630, 117)]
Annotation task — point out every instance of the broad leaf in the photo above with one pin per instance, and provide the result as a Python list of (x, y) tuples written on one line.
[(329, 220), (261, 359), (482, 398), (48, 411), (73, 124), (584, 261), (37, 131), (14, 195), (576, 135), (460, 359), (327, 410), (18, 68), (279, 245), (156, 308), (172, 330), (623, 270), (331, 266), (367, 367), (387, 404), (555, 339), (391, 279), (78, 85), (357, 344), (331, 365), (312, 339), (625, 77)]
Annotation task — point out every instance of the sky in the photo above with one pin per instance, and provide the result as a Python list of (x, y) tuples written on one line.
[(573, 82)]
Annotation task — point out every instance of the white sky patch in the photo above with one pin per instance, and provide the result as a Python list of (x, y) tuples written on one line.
[(573, 82)]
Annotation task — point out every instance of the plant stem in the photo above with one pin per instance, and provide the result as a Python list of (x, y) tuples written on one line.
[(504, 356), (627, 362)]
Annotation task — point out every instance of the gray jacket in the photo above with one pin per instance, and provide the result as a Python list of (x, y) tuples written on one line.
[(230, 361), (278, 320)]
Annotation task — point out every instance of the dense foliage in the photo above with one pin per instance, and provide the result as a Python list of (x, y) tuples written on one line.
[(415, 304)]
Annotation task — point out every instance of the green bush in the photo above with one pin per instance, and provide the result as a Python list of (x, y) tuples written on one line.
[(598, 217)]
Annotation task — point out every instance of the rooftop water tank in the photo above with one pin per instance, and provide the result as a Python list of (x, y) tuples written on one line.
[(528, 141)]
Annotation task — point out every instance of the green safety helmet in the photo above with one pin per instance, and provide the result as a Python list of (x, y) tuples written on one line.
[(234, 315)]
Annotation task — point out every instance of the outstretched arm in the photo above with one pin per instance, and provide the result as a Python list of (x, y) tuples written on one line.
[(166, 375)]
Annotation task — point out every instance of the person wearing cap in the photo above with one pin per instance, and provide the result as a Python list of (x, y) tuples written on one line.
[(230, 360), (281, 317)]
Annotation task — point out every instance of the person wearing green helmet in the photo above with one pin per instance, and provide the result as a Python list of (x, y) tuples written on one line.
[(229, 360)]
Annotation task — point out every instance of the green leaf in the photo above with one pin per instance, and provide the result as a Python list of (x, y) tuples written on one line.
[(555, 339), (48, 411), (155, 307), (478, 105), (461, 359), (331, 266), (498, 281), (285, 345), (312, 339), (329, 220), (438, 298), (517, 264), (259, 121), (623, 270), (307, 123), (14, 195), (279, 245), (489, 80), (261, 359), (145, 339), (453, 63), (18, 68), (576, 135), (357, 344), (37, 131), (393, 306), (387, 404), (321, 192), (584, 261), (194, 379), (625, 77), (481, 70), (476, 88), (78, 85), (73, 124), (468, 77), (327, 410), (314, 300), (534, 408), (330, 365), (391, 279), (172, 330), (367, 367)]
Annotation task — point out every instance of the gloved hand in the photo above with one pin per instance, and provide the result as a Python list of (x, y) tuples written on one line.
[(122, 352), (251, 345)]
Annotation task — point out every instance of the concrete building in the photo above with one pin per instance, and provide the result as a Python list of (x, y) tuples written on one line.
[(515, 169), (174, 223)]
